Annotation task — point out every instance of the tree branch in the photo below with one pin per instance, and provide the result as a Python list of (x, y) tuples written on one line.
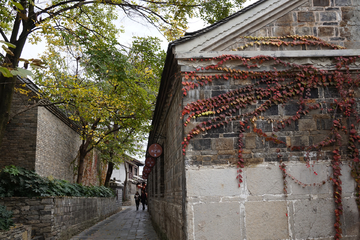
[(3, 35), (78, 3), (41, 103)]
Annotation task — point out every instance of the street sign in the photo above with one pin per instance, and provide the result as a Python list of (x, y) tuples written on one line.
[(155, 150)]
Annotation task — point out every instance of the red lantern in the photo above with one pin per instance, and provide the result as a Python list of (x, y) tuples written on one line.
[(150, 162)]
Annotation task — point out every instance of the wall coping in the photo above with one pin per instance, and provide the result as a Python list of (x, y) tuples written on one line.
[(277, 54)]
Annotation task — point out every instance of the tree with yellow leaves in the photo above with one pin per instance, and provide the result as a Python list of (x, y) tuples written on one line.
[(107, 91), (23, 20)]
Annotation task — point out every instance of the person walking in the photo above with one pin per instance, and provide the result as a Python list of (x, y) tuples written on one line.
[(137, 200), (143, 198)]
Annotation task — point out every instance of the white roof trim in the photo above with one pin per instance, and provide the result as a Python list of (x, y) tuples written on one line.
[(252, 20), (277, 54)]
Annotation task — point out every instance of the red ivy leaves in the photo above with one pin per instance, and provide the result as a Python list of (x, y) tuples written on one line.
[(274, 87), (336, 165)]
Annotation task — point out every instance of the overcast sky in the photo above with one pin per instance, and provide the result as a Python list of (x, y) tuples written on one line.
[(132, 28)]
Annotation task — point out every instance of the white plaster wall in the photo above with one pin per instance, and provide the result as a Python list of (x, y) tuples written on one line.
[(119, 174), (218, 209)]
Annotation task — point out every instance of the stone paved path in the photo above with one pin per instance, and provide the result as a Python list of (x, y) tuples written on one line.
[(127, 224)]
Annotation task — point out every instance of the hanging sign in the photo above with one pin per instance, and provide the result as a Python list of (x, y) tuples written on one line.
[(155, 150), (150, 162), (147, 169)]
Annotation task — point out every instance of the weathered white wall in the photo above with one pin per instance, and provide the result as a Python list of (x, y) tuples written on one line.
[(119, 174), (218, 209)]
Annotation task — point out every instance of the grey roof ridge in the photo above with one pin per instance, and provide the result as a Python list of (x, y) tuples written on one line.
[(133, 160)]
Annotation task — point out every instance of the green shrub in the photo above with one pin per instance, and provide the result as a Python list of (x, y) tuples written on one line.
[(5, 219), (20, 182)]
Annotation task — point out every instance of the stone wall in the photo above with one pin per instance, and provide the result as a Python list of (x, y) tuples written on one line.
[(57, 147), (17, 232), (335, 21), (259, 209), (37, 139), (19, 142), (60, 217), (166, 182)]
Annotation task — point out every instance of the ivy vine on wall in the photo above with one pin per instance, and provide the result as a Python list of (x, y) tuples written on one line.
[(287, 82)]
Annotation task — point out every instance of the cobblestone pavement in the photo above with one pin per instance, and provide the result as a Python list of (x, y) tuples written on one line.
[(126, 224)]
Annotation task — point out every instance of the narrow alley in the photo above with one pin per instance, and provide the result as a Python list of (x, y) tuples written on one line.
[(126, 224)]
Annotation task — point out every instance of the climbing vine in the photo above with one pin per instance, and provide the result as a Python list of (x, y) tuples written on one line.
[(285, 83)]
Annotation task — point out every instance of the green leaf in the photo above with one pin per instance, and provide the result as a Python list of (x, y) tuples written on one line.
[(5, 72), (21, 72), (18, 5), (8, 44)]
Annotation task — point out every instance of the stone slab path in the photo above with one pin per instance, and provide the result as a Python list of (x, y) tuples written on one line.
[(126, 224)]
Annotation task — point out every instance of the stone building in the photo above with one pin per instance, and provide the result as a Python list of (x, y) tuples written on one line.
[(131, 168), (227, 171), (41, 138)]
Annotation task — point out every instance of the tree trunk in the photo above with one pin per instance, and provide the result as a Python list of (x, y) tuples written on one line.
[(7, 86), (82, 154), (125, 183), (109, 173)]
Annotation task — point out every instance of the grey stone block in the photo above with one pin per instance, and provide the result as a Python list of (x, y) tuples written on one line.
[(322, 3), (264, 126), (314, 218), (300, 141), (307, 124), (279, 31), (264, 180), (306, 17), (223, 144), (303, 31), (285, 18), (348, 182), (291, 109), (305, 175), (217, 221), (212, 182), (266, 220), (328, 16), (351, 217), (201, 144), (326, 32), (278, 145), (273, 110), (342, 2), (356, 2)]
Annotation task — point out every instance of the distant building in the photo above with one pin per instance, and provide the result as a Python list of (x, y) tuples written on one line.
[(131, 167)]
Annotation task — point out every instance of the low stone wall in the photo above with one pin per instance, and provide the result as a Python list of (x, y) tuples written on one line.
[(18, 232), (60, 217)]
